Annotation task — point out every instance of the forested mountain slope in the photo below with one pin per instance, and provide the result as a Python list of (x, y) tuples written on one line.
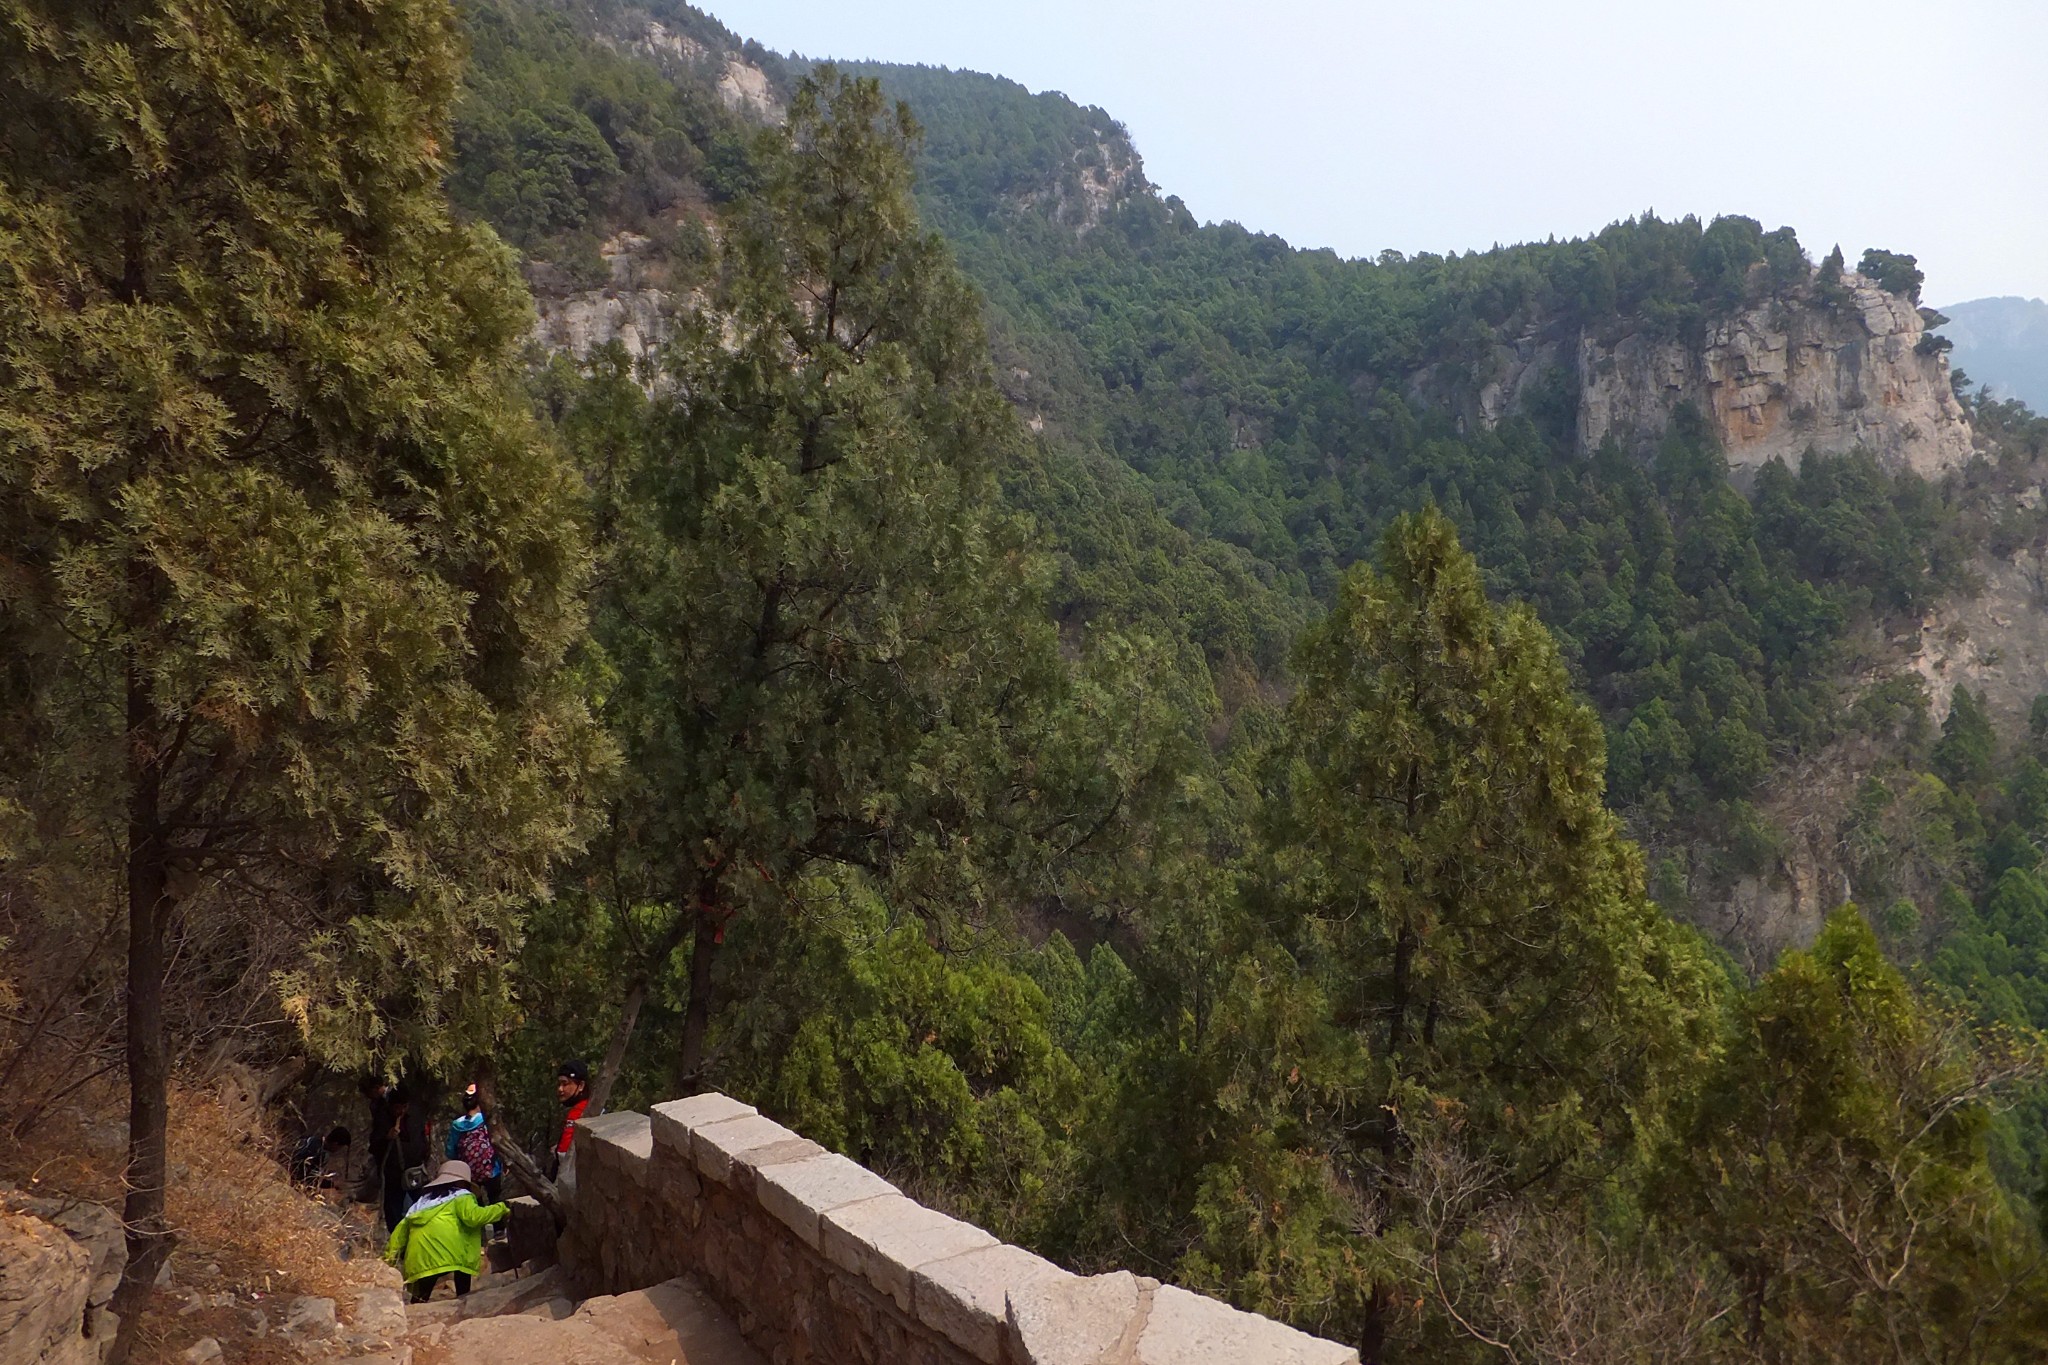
[(1225, 422), (1201, 756), (1734, 480)]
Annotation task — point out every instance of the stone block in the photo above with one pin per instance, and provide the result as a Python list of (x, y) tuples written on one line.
[(747, 1165), (965, 1298), (715, 1146), (671, 1321), (1077, 1321), (674, 1121), (1188, 1329), (379, 1317), (884, 1240), (674, 1177), (797, 1192), (626, 1139)]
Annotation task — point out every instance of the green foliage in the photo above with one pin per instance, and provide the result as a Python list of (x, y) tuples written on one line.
[(1894, 272), (1287, 405), (1379, 1031), (1963, 756), (560, 140), (295, 580), (1836, 1164), (943, 1071), (830, 636), (1478, 968)]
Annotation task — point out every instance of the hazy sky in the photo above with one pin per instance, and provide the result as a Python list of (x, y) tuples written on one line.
[(1436, 125)]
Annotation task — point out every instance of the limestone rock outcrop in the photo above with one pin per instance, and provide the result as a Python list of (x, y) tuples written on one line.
[(1790, 373), (60, 1262), (44, 1276), (742, 86), (635, 308)]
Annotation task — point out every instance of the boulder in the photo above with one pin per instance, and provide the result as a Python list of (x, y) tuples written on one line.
[(311, 1319), (94, 1227), (44, 1280)]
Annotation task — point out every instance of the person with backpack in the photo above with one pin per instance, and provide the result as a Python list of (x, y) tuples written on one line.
[(469, 1141), (442, 1234)]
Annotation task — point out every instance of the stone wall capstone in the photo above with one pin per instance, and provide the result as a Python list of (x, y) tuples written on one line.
[(818, 1259)]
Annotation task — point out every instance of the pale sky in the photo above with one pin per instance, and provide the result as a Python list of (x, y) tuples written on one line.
[(1441, 125)]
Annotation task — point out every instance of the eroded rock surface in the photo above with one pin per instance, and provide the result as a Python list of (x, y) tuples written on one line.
[(1775, 379), (669, 1324), (44, 1277), (60, 1262)]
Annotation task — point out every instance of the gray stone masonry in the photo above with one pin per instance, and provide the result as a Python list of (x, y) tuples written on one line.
[(818, 1259)]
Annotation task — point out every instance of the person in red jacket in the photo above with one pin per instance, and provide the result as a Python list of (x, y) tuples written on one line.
[(572, 1088)]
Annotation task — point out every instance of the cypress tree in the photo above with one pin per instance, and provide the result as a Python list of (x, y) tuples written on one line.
[(290, 576), (1470, 922), (1835, 1162), (830, 638)]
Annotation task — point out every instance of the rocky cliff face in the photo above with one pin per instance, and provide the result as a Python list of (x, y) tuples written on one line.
[(636, 309), (1776, 379), (1099, 178), (639, 303), (59, 1264), (741, 85)]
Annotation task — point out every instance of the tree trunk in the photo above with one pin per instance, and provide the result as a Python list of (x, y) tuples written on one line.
[(148, 1236), (629, 1013), (1372, 1342), (615, 1055), (515, 1157), (697, 1017), (282, 1077)]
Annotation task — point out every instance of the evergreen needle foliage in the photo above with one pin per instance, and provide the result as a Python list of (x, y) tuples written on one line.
[(1148, 831), (291, 578)]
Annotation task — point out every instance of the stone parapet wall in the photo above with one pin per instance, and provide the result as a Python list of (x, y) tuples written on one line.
[(818, 1259)]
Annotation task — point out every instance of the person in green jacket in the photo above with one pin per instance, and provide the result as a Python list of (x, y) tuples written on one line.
[(442, 1234)]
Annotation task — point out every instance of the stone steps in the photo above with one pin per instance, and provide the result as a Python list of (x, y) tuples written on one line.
[(669, 1324), (496, 1294)]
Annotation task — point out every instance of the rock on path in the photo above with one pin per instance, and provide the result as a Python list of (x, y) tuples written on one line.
[(670, 1324)]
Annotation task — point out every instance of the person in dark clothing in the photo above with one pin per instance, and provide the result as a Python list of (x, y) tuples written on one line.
[(572, 1088), (398, 1143), (377, 1093), (321, 1162)]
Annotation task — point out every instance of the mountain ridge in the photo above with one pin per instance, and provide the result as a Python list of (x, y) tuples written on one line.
[(1224, 422), (2002, 343)]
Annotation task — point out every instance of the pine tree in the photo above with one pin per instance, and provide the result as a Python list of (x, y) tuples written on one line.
[(1835, 1161), (294, 575), (830, 638), (1964, 753), (1447, 877)]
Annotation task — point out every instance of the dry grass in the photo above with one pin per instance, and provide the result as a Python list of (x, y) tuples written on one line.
[(243, 1230)]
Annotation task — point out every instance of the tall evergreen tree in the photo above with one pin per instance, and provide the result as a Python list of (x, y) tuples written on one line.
[(292, 577), (831, 639), (1836, 1162), (1968, 745), (1444, 872)]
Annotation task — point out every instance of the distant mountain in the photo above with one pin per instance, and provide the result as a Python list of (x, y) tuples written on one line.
[(2003, 343)]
